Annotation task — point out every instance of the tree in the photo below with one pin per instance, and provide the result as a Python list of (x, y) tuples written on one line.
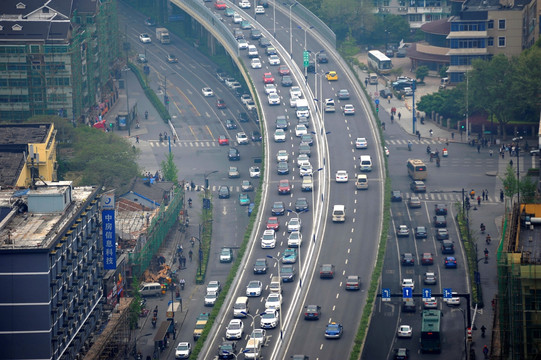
[(446, 103), (443, 71), (527, 190), (421, 73), (169, 169), (509, 181)]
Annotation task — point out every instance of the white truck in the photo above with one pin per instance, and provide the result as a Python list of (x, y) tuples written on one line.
[(162, 34), (302, 108)]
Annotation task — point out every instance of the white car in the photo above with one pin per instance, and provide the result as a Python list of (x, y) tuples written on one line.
[(237, 19), (306, 170), (408, 283), (404, 331), (269, 319), (244, 98), (430, 303), (210, 298), (294, 239), (235, 329), (295, 91), (386, 151), (256, 63), (245, 4), (300, 130), (274, 301), (273, 99), (243, 44), (183, 350), (259, 9), (341, 176), (361, 143), (207, 92), (293, 101), (242, 138), (279, 135), (349, 109), (294, 224), (268, 240), (270, 89), (255, 172), (282, 155), (274, 60), (454, 301), (254, 288), (260, 334), (403, 230), (408, 91), (303, 159), (214, 285), (145, 38), (329, 105), (250, 105)]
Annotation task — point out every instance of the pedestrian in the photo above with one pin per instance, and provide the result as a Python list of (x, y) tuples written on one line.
[(483, 329), (490, 152), (511, 162), (478, 148), (399, 115), (486, 194), (483, 195), (478, 200), (418, 133), (392, 119), (365, 82), (383, 125), (485, 351), (190, 254), (501, 195), (137, 139), (503, 155), (192, 185), (493, 304), (472, 194), (389, 99), (431, 132), (453, 135)]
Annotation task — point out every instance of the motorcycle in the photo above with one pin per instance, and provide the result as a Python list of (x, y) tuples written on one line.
[(483, 228), (428, 150), (488, 239)]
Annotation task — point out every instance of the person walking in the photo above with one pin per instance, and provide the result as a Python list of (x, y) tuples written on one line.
[(483, 195), (478, 200), (137, 139), (392, 119), (399, 115), (478, 148), (431, 132), (486, 194), (190, 254), (418, 132), (501, 195), (485, 351)]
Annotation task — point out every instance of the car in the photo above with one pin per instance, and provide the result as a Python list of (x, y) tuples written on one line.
[(273, 99), (385, 93), (353, 282), (260, 266), (210, 298), (281, 122), (312, 312), (244, 98), (331, 76), (242, 44), (271, 50), (386, 151), (361, 143), (273, 223), (284, 188), (306, 170), (303, 159), (293, 101), (230, 124), (255, 172), (282, 168), (408, 283), (283, 70), (282, 155), (442, 234), (278, 208), (229, 12), (220, 5), (223, 192), (268, 78), (295, 91), (534, 152), (286, 81), (401, 354), (264, 42), (429, 278), (259, 10), (227, 350), (254, 288), (245, 4), (304, 148), (300, 130), (256, 136), (273, 59), (220, 104), (223, 140), (145, 38), (453, 301), (274, 301), (440, 221), (268, 239), (301, 204), (234, 329), (420, 232), (303, 120), (408, 91), (243, 117), (430, 303), (414, 202), (245, 25), (407, 259), (215, 286), (441, 209), (259, 334), (150, 22), (287, 273), (396, 196), (450, 262), (308, 139), (427, 259), (269, 319), (342, 94), (142, 58), (404, 331), (279, 135), (246, 185), (333, 330), (418, 186), (447, 247), (402, 231), (183, 350), (294, 224), (341, 176), (289, 256), (329, 105), (242, 138), (226, 255), (326, 271), (238, 34), (389, 53), (244, 199), (233, 172), (321, 57), (233, 154), (228, 81), (349, 109), (255, 63), (255, 34), (311, 68)]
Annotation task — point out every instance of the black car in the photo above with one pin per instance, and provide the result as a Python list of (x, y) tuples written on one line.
[(447, 247), (385, 93), (312, 312), (321, 57), (326, 271), (264, 3), (264, 42), (287, 273), (230, 124), (301, 204), (287, 81), (227, 350), (281, 122), (401, 354), (311, 68), (441, 209), (223, 192), (243, 117), (407, 259), (282, 168), (420, 232), (255, 34), (233, 154), (440, 221), (256, 135), (278, 208), (260, 266), (396, 196)]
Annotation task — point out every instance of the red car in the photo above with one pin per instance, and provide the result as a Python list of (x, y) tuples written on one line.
[(220, 5), (273, 223), (268, 78), (283, 70), (220, 104), (223, 140), (284, 188), (427, 259)]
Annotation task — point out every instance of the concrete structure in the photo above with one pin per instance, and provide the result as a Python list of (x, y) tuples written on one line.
[(416, 12), (50, 255), (55, 56), (27, 154)]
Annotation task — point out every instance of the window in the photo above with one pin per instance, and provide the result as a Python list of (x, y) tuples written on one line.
[(491, 24), (501, 24), (501, 41), (490, 41)]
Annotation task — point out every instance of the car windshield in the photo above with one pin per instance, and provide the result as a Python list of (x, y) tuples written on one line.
[(268, 315)]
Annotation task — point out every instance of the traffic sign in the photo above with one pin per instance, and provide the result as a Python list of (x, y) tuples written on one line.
[(407, 293), (447, 293), (306, 58), (427, 293), (377, 101), (385, 294)]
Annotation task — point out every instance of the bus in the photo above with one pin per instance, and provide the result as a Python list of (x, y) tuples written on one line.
[(430, 331), (379, 62), (417, 169)]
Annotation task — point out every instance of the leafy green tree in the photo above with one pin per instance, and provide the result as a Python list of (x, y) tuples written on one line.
[(509, 181), (169, 169), (446, 103), (443, 71), (527, 190), (347, 17), (527, 87), (135, 306), (421, 73)]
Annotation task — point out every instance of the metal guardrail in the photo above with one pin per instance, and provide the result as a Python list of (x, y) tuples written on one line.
[(309, 17)]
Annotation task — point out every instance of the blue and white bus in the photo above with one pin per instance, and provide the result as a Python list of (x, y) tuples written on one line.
[(379, 62)]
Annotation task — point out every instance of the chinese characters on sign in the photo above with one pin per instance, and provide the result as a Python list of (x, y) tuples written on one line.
[(108, 231)]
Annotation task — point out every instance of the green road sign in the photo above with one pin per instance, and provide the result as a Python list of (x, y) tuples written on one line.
[(306, 58)]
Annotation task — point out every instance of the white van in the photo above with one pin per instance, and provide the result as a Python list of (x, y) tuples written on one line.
[(150, 289), (302, 108), (240, 307), (275, 285), (339, 213), (253, 349), (366, 163), (362, 182), (373, 79), (252, 51)]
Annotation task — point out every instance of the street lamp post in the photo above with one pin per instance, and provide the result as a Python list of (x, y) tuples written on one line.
[(517, 150), (274, 19), (290, 30), (200, 249), (279, 312)]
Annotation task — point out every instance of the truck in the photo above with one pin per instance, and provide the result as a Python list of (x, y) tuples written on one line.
[(162, 34), (302, 108), (200, 324)]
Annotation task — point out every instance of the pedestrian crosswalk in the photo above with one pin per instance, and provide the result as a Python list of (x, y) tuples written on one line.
[(447, 197), (188, 143), (416, 142)]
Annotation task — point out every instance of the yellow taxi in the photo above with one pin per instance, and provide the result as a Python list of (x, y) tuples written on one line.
[(331, 75)]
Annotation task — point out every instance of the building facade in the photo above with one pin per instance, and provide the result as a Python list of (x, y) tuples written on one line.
[(416, 12)]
